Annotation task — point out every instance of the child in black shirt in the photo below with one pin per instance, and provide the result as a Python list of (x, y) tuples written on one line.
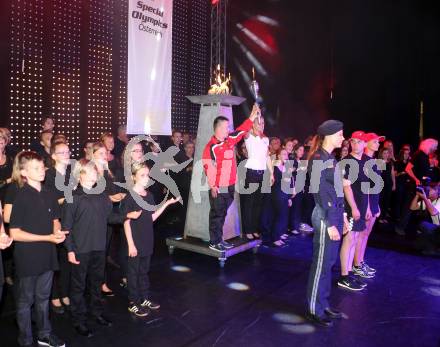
[(139, 233), (86, 219), (35, 228)]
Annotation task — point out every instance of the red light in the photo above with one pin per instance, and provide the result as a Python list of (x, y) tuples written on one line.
[(214, 2)]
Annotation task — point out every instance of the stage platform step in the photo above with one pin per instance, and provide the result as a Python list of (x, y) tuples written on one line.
[(199, 246)]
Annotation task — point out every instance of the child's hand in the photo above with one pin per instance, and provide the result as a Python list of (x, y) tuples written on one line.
[(289, 203), (72, 258), (5, 241), (58, 237), (174, 200), (134, 214), (132, 251)]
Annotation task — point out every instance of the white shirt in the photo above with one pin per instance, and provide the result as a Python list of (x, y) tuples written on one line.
[(436, 204), (257, 149)]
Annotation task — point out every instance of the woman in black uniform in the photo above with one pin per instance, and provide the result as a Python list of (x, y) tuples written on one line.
[(327, 220)]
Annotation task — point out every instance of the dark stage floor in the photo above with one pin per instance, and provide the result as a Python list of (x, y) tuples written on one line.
[(401, 306)]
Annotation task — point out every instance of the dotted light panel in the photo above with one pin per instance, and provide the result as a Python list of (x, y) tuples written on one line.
[(199, 55), (123, 51), (66, 55), (77, 70), (181, 49), (99, 74), (26, 64)]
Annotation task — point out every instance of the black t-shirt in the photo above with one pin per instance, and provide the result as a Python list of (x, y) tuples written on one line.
[(11, 193), (2, 275), (387, 174), (119, 148), (49, 181), (141, 228), (400, 166), (36, 146), (46, 157), (5, 173), (434, 174), (34, 212), (110, 187), (374, 198), (421, 166), (360, 197)]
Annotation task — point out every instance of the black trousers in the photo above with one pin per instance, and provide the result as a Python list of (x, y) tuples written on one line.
[(61, 278), (405, 215), (280, 214), (308, 204), (385, 199), (296, 211), (266, 218), (325, 254), (137, 278), (33, 290), (108, 247), (218, 211), (252, 203), (91, 268), (2, 276)]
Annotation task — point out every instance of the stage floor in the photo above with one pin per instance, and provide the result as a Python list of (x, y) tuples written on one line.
[(258, 300)]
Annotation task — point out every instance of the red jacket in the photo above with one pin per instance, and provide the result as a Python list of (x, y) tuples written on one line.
[(219, 159)]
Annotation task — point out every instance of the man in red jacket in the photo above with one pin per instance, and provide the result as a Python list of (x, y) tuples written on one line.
[(221, 170)]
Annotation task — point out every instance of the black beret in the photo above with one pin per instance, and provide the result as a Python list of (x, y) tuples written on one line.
[(330, 127)]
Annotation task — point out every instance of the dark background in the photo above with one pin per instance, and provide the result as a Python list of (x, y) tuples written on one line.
[(380, 58)]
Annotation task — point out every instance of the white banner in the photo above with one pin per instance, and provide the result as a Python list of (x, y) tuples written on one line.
[(149, 67)]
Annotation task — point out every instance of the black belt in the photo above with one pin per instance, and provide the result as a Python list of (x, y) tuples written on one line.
[(258, 172)]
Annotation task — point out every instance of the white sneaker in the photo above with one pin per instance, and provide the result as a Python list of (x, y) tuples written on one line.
[(305, 227)]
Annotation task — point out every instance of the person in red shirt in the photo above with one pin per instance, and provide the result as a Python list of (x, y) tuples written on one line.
[(221, 170)]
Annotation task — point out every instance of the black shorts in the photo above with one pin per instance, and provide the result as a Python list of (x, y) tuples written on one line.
[(359, 225)]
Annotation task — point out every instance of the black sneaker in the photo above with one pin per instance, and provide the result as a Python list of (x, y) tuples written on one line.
[(358, 281), (218, 247), (347, 283), (138, 311), (51, 341), (150, 304), (333, 313), (123, 284), (103, 321), (322, 321), (359, 271), (83, 330), (227, 245)]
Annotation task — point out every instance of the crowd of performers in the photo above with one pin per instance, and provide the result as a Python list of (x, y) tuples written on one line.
[(61, 239)]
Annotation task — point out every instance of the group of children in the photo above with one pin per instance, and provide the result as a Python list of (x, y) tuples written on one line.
[(61, 240)]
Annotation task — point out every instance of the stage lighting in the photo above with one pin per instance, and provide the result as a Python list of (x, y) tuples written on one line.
[(180, 268), (434, 291), (298, 329), (238, 286), (284, 317)]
